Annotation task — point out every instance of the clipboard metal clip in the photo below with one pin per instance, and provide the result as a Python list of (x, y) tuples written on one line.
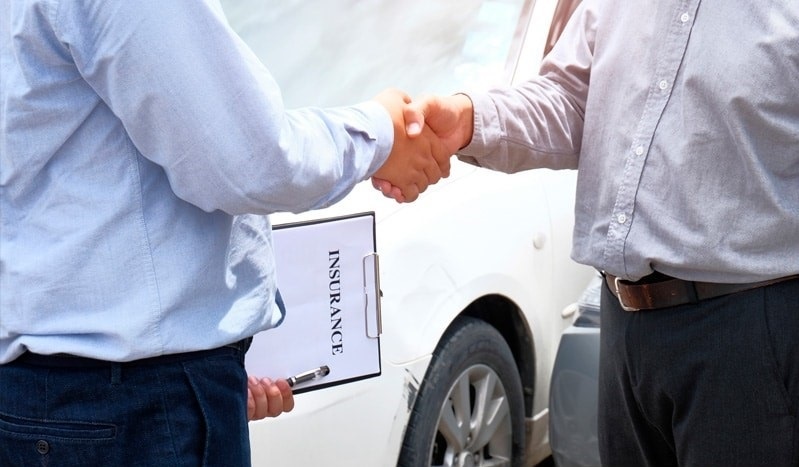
[(371, 290)]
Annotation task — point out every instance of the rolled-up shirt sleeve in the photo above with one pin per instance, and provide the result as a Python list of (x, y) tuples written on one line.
[(194, 99), (539, 122)]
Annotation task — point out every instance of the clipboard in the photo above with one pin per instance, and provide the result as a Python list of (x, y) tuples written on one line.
[(328, 277)]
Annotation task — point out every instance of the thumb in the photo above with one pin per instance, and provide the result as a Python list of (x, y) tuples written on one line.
[(414, 119)]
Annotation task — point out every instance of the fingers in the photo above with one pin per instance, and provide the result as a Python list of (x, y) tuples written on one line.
[(388, 190), (433, 171), (410, 168), (250, 404), (286, 394), (266, 398), (440, 155), (411, 192), (256, 399), (396, 193), (274, 398), (425, 170)]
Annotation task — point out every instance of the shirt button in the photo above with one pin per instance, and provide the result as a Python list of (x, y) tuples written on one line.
[(639, 151), (621, 218), (685, 17), (663, 85), (42, 447)]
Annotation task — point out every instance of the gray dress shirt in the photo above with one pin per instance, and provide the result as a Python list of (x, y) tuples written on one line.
[(683, 119)]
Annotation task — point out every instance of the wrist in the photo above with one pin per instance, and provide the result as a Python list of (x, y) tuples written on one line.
[(465, 111)]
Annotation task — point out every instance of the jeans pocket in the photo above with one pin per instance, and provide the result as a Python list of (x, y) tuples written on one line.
[(782, 326), (25, 441), (220, 390)]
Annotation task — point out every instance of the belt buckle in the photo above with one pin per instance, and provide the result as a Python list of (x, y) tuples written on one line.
[(624, 306)]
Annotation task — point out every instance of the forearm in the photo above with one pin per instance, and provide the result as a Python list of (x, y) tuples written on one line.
[(528, 126), (212, 116)]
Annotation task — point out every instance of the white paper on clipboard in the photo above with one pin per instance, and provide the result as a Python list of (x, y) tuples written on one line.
[(328, 276)]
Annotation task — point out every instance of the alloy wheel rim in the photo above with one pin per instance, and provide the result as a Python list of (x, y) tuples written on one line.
[(474, 424)]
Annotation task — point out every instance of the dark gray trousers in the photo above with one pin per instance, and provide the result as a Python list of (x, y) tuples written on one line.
[(709, 384)]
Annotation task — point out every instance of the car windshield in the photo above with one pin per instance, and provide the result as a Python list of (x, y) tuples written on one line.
[(336, 52)]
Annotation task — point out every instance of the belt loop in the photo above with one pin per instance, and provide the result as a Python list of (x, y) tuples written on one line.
[(241, 347), (244, 346), (693, 295), (116, 374)]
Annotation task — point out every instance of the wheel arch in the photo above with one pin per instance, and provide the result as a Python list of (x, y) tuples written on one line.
[(506, 317)]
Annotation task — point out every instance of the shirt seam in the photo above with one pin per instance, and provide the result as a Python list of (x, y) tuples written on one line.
[(149, 267)]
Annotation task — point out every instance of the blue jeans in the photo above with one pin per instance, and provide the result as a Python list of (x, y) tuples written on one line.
[(183, 412), (714, 383)]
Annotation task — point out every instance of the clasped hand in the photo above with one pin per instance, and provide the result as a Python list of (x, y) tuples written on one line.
[(267, 398), (426, 134)]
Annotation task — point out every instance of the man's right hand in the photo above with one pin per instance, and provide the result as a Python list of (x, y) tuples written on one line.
[(418, 158), (450, 117), (267, 398), (451, 120)]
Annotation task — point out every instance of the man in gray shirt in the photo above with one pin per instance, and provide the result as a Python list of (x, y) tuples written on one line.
[(683, 119)]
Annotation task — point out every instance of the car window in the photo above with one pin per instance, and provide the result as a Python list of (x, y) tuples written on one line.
[(335, 52)]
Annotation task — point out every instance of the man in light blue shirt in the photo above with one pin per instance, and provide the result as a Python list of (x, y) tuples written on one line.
[(142, 146)]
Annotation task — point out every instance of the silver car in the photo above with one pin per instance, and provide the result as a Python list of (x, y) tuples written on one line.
[(573, 387)]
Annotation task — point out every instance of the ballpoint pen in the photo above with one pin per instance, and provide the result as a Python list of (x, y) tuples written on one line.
[(309, 375)]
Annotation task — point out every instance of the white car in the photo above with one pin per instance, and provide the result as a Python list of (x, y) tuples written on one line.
[(475, 275)]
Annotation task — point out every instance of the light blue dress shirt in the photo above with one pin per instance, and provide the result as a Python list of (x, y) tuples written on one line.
[(683, 119), (142, 146)]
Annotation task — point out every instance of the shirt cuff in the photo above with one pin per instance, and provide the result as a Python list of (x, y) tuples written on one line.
[(486, 132), (381, 131)]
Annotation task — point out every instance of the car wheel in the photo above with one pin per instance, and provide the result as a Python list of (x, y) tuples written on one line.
[(469, 411)]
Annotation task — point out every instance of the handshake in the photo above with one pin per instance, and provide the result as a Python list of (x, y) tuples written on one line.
[(427, 132)]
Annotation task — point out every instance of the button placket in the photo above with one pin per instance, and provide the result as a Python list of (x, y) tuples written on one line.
[(674, 45)]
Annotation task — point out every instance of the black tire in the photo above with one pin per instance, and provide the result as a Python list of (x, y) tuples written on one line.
[(471, 368)]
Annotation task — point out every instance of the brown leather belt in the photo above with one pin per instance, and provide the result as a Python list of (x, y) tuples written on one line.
[(636, 296)]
